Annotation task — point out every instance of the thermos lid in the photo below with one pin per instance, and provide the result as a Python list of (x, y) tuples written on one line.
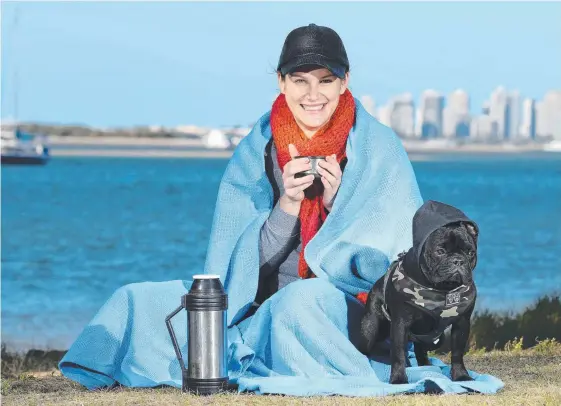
[(206, 293)]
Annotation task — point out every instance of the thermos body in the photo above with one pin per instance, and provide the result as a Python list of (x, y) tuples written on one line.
[(207, 344), (206, 305)]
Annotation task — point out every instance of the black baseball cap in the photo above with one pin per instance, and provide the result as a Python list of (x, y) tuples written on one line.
[(313, 45)]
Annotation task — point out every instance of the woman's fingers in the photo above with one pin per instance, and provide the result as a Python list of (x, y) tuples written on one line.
[(293, 182), (297, 191), (296, 165), (292, 151), (330, 180), (332, 166)]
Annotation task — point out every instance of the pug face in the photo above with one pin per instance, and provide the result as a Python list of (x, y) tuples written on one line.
[(449, 256)]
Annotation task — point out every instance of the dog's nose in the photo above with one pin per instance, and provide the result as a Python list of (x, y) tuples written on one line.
[(458, 261), (456, 278)]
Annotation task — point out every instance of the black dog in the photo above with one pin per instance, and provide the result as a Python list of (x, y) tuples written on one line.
[(425, 291)]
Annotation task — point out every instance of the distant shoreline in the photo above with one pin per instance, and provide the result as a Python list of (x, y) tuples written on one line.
[(142, 147), (414, 156), (139, 153)]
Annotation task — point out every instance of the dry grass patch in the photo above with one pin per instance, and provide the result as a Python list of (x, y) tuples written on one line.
[(531, 377)]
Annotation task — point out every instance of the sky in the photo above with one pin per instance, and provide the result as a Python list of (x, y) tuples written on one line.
[(108, 64)]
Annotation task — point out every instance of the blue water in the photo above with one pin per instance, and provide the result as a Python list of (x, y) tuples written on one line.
[(79, 228)]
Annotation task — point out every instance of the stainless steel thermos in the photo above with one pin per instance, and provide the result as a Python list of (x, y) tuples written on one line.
[(206, 304)]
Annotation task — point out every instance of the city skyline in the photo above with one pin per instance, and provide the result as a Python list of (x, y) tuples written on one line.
[(504, 115)]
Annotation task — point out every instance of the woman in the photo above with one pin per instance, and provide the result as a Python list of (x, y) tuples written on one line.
[(313, 115), (292, 253)]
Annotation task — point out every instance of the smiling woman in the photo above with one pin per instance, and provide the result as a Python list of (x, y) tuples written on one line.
[(312, 116), (313, 73), (312, 95)]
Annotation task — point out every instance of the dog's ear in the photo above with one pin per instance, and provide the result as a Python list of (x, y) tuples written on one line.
[(471, 230)]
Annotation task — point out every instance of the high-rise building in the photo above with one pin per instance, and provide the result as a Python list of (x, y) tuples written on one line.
[(499, 111), (483, 127), (456, 117), (552, 101), (449, 118), (459, 100), (418, 123), (542, 125), (513, 101), (402, 115), (548, 115), (486, 108), (398, 114), (528, 127), (432, 104)]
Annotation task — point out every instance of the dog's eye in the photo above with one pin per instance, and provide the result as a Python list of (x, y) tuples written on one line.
[(471, 254), (440, 251)]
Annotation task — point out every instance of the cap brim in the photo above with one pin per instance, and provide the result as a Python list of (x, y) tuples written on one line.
[(313, 60)]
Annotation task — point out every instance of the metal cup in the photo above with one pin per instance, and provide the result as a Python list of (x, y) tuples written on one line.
[(314, 169)]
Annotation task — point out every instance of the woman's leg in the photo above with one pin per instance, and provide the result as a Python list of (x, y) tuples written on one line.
[(307, 328), (127, 340)]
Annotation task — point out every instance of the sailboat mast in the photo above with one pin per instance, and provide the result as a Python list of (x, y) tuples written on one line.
[(16, 73)]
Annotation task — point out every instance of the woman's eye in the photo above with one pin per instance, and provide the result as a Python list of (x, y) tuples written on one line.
[(327, 81)]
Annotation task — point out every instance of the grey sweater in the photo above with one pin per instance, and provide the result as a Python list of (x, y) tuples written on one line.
[(279, 244)]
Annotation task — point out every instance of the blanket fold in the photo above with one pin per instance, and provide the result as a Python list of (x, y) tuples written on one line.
[(301, 340)]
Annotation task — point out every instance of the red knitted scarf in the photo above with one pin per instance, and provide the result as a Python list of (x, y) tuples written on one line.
[(330, 139)]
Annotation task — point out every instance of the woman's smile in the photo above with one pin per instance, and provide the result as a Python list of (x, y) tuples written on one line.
[(313, 109)]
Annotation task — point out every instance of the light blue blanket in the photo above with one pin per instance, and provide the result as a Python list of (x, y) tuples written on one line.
[(300, 341)]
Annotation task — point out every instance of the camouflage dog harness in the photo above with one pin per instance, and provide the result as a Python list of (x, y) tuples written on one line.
[(444, 307)]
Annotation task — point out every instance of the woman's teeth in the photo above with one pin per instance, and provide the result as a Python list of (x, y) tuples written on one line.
[(312, 108)]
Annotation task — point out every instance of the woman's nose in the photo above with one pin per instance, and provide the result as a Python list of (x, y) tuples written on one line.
[(313, 92)]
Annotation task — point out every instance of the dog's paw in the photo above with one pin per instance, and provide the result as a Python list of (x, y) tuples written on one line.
[(460, 378), (460, 374), (396, 379)]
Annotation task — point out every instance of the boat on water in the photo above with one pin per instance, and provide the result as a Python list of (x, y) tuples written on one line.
[(21, 148), (553, 146)]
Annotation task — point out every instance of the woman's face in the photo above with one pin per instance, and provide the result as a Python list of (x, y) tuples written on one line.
[(312, 96)]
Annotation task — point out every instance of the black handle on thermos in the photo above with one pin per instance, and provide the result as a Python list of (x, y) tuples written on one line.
[(173, 339)]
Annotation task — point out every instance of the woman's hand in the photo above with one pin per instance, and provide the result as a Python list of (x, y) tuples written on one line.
[(294, 187), (331, 175)]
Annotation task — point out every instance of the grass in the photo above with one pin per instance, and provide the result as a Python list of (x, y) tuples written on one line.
[(493, 331), (531, 376), (523, 350)]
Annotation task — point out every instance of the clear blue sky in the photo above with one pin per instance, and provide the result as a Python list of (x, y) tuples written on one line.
[(212, 64)]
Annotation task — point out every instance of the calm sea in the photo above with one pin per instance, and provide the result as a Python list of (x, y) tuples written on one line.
[(79, 228)]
